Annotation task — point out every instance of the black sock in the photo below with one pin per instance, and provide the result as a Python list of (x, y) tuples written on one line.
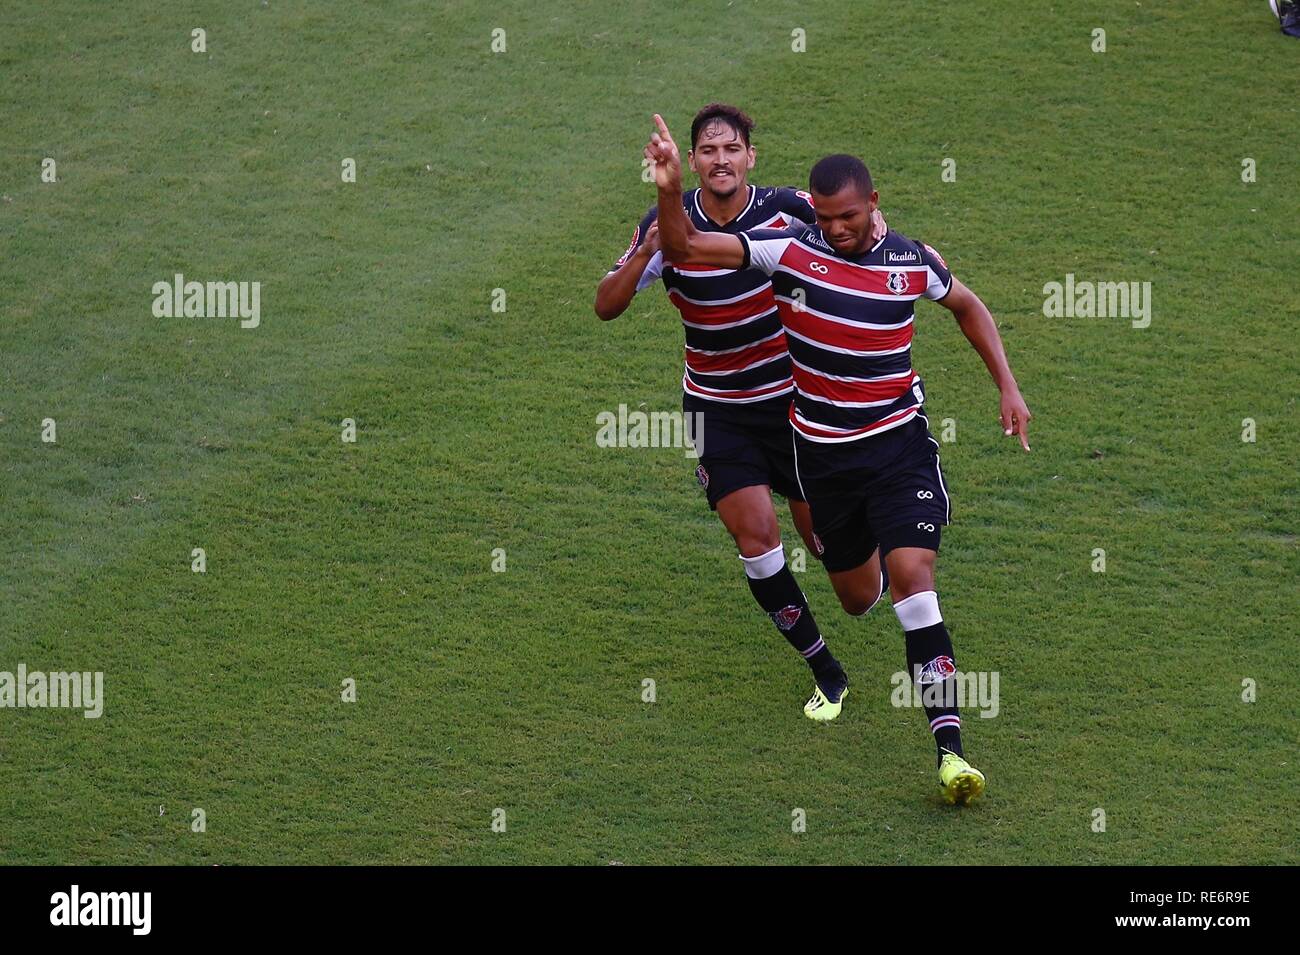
[(781, 599), (932, 667)]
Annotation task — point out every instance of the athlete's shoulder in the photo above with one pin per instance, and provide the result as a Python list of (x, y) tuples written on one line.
[(772, 207), (766, 248), (793, 202), (911, 255), (798, 230), (808, 233), (899, 249), (638, 236)]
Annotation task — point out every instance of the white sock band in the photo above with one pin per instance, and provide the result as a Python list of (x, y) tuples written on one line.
[(919, 610), (764, 565)]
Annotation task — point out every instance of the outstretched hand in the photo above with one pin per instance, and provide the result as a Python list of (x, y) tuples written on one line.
[(1015, 416)]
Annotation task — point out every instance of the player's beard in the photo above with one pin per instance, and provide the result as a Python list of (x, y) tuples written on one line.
[(723, 195)]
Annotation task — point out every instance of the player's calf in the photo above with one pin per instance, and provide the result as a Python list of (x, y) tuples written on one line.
[(932, 665), (751, 520), (931, 661), (775, 590)]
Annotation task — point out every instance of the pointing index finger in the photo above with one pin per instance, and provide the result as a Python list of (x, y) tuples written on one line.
[(663, 128)]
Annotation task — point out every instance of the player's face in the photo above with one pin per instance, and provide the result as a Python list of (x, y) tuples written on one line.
[(845, 219), (721, 159)]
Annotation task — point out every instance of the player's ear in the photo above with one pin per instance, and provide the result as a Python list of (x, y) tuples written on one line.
[(873, 202), (690, 160), (751, 158)]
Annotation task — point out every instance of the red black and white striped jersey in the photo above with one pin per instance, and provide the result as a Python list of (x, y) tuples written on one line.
[(848, 323), (735, 348)]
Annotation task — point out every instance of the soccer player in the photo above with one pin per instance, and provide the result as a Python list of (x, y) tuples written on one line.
[(864, 455), (737, 383)]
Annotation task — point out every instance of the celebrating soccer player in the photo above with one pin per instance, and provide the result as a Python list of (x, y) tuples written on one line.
[(737, 383), (864, 457)]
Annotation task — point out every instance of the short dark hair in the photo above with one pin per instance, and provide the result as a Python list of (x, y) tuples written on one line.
[(732, 116), (833, 173)]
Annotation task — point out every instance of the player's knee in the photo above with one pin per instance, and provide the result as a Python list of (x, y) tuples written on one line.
[(854, 605), (756, 535), (756, 542), (907, 585), (861, 600), (910, 577)]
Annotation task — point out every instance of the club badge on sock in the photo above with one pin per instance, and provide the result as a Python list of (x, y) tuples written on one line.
[(786, 617), (936, 671)]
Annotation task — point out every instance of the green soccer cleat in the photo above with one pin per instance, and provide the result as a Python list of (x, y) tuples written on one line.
[(821, 707), (961, 782)]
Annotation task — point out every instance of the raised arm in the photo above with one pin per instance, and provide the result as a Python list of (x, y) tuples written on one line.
[(682, 243), (982, 332)]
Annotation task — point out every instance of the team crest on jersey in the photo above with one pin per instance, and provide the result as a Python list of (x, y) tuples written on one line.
[(786, 617), (702, 476), (897, 282), (937, 670)]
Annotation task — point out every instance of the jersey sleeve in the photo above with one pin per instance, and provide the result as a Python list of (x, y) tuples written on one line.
[(938, 278), (638, 237), (764, 247), (796, 204), (653, 270)]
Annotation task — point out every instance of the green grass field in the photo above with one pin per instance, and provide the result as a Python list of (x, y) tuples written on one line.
[(521, 690)]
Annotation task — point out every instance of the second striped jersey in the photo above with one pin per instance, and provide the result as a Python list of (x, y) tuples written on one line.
[(735, 347)]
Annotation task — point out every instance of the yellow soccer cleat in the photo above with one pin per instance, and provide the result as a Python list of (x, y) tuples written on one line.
[(821, 707), (961, 782)]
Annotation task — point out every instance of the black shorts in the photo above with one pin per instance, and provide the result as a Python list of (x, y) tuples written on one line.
[(882, 491), (744, 445)]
